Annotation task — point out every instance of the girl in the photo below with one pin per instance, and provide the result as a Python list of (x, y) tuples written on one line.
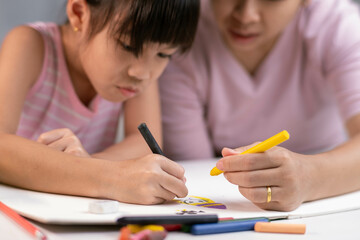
[(270, 66), (66, 86)]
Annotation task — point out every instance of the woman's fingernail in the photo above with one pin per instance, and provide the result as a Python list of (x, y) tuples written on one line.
[(220, 165), (233, 151)]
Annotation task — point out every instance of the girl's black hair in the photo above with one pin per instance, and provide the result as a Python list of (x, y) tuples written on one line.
[(171, 22)]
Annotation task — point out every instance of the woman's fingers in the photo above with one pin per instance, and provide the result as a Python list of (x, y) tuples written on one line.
[(272, 158), (260, 194), (281, 199), (247, 162), (236, 151), (277, 168), (256, 178)]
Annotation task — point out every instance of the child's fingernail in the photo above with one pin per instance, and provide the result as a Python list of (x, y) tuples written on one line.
[(184, 179), (220, 165)]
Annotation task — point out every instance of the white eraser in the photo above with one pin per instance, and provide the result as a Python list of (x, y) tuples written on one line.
[(104, 206)]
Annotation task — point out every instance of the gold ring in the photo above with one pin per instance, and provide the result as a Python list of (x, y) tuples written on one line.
[(268, 199)]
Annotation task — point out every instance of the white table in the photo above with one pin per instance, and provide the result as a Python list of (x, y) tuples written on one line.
[(337, 226)]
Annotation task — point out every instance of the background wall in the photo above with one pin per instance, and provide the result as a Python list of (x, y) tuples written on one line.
[(16, 12)]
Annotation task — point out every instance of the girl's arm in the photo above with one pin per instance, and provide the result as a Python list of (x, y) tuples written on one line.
[(27, 164), (142, 108), (30, 165), (21, 59)]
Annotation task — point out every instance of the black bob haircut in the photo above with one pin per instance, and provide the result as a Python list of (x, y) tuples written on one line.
[(172, 22)]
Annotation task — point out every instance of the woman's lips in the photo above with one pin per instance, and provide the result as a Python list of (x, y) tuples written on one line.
[(128, 92), (243, 37)]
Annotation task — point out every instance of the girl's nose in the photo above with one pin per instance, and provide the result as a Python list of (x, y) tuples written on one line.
[(247, 12), (140, 70)]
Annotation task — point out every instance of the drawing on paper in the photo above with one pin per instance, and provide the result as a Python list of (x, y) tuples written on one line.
[(190, 212), (201, 202)]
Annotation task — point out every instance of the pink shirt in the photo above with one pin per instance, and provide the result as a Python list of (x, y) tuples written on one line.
[(52, 102), (309, 85)]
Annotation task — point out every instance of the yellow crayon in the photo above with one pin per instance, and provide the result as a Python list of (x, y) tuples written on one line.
[(134, 228), (261, 147)]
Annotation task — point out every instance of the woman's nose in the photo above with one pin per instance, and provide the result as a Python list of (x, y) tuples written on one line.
[(247, 12)]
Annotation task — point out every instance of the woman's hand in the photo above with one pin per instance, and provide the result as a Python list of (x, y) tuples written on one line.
[(278, 168), (63, 140), (152, 179)]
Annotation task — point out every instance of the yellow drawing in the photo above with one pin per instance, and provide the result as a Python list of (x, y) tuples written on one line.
[(201, 202)]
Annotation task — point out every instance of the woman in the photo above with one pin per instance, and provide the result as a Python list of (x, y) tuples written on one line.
[(258, 67)]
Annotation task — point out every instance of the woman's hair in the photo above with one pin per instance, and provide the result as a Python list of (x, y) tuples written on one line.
[(171, 22)]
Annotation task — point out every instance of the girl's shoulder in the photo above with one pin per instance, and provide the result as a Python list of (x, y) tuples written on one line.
[(23, 46), (26, 39)]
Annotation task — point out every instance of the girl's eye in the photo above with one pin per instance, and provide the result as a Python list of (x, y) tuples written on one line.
[(163, 55), (127, 47)]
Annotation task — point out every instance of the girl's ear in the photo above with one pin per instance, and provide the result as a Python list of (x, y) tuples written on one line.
[(78, 14)]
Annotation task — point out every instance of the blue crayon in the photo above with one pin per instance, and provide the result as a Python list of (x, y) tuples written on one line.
[(224, 227)]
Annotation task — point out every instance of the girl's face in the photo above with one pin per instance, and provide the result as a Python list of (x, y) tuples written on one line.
[(114, 71), (250, 25)]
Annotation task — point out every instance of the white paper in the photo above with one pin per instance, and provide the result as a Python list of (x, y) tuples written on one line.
[(62, 209)]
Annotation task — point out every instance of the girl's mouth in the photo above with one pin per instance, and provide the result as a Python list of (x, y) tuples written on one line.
[(128, 92)]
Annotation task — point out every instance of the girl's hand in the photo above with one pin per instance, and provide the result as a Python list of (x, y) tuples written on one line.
[(63, 140), (278, 168), (152, 179)]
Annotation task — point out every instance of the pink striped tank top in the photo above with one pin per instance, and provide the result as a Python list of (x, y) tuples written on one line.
[(52, 102)]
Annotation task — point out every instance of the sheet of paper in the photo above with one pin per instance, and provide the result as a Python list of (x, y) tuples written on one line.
[(217, 188), (207, 194)]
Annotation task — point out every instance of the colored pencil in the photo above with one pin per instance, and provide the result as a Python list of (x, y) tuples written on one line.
[(22, 222)]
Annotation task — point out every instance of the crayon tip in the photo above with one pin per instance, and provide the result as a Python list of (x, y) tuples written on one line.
[(215, 171)]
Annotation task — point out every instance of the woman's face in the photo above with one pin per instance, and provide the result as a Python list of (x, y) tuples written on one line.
[(252, 25)]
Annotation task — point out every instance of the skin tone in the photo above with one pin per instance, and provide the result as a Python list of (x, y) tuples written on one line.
[(100, 66), (250, 28), (294, 178)]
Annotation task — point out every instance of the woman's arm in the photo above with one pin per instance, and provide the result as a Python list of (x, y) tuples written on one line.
[(295, 178), (337, 171), (186, 134)]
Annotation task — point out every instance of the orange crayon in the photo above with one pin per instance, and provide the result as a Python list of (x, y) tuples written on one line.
[(26, 225), (280, 227)]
